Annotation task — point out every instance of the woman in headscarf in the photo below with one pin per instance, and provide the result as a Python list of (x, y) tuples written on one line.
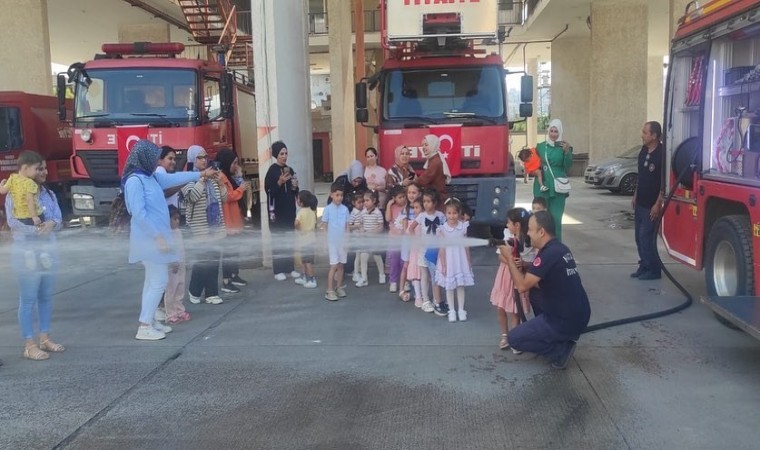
[(233, 218), (401, 174), (557, 154), (282, 192), (436, 174), (204, 200), (353, 182), (150, 238)]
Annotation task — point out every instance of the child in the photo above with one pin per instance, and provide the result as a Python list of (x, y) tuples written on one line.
[(504, 296), (532, 164), (355, 226), (539, 204), (454, 263), (306, 223), (25, 194), (335, 219), (372, 224), (394, 215), (417, 271), (175, 287), (412, 195), (430, 220)]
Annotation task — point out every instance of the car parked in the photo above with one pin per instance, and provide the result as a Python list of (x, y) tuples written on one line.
[(619, 174)]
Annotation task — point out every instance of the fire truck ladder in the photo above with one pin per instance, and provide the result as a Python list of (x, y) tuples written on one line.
[(214, 23)]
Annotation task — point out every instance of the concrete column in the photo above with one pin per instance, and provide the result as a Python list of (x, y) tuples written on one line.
[(571, 78), (619, 74), (26, 51), (361, 69), (531, 125), (342, 84), (281, 74), (658, 46)]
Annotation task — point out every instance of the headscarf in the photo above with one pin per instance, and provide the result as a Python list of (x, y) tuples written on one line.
[(143, 159), (226, 157), (355, 170), (192, 153), (434, 144), (556, 123)]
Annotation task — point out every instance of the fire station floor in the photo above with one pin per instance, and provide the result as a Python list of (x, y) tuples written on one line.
[(279, 367)]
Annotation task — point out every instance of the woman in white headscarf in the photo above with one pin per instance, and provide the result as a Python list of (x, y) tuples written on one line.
[(436, 174), (557, 155)]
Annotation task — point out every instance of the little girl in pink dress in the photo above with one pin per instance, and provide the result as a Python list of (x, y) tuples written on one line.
[(504, 296)]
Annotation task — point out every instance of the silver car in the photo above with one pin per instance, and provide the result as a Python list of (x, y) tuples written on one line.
[(619, 174)]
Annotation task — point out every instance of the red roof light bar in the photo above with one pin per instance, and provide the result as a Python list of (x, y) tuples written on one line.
[(144, 48)]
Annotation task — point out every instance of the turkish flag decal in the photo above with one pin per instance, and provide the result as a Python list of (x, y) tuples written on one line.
[(451, 145), (126, 137)]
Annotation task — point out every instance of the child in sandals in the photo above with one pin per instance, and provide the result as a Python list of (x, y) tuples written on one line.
[(175, 288)]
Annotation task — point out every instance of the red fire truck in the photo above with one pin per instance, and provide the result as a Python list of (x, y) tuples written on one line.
[(30, 122), (182, 102), (438, 79), (712, 129)]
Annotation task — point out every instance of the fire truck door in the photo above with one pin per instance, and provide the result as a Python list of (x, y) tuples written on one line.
[(679, 228)]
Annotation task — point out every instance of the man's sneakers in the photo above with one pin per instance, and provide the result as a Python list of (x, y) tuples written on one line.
[(237, 281), (230, 288), (562, 362), (638, 273), (650, 276), (280, 277)]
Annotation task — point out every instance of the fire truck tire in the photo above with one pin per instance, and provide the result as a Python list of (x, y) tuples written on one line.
[(728, 259)]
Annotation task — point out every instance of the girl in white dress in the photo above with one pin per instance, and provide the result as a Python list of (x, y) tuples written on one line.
[(454, 263)]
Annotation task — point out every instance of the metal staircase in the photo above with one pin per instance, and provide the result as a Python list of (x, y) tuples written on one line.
[(214, 23)]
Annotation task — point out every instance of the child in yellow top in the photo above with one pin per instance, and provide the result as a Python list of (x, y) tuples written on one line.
[(306, 224), (23, 189)]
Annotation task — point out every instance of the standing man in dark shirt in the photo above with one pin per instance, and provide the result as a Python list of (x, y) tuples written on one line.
[(566, 310), (647, 201)]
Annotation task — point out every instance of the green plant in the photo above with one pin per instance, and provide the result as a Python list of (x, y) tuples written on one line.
[(543, 122)]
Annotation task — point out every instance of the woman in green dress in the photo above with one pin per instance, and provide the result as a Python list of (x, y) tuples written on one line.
[(557, 154)]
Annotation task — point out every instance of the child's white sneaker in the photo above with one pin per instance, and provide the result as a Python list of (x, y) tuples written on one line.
[(160, 314), (382, 278), (418, 302), (356, 277), (393, 287), (452, 316), (544, 188), (462, 315), (300, 280), (362, 282), (311, 284), (428, 307)]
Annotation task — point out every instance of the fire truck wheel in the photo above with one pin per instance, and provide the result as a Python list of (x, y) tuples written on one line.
[(728, 258)]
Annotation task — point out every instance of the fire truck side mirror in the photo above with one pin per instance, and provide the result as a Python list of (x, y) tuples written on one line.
[(362, 116), (526, 89), (61, 88), (360, 99), (227, 85), (526, 110)]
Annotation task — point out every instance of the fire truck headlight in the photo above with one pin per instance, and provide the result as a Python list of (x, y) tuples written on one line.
[(497, 190), (83, 201), (86, 135), (495, 212), (495, 202)]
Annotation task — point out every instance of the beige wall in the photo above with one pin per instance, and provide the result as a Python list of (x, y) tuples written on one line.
[(144, 32), (570, 89), (343, 145), (619, 75), (25, 50)]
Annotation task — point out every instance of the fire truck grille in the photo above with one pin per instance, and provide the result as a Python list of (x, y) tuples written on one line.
[(467, 193), (101, 165)]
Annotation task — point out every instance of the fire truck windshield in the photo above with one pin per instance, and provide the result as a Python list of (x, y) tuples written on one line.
[(445, 95), (10, 129), (137, 96)]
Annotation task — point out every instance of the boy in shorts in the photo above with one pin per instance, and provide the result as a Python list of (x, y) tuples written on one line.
[(335, 219)]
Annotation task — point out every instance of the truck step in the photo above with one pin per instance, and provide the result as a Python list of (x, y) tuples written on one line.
[(744, 312)]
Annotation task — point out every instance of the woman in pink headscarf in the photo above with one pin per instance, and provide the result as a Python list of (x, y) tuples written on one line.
[(401, 174), (436, 172)]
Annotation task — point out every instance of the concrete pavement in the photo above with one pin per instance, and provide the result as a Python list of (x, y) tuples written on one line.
[(279, 367)]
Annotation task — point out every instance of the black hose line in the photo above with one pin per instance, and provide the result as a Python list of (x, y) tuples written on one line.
[(688, 170)]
